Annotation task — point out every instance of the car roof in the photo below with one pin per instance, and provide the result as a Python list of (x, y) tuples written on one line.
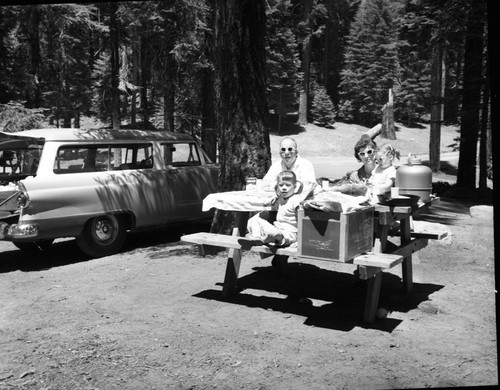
[(71, 134)]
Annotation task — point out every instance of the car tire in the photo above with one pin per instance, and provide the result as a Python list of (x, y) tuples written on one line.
[(34, 247), (103, 235)]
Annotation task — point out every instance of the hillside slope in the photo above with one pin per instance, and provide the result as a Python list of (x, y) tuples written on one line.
[(315, 141)]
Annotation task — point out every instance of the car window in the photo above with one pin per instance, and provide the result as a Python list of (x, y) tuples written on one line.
[(133, 157), (94, 158), (19, 161), (181, 154)]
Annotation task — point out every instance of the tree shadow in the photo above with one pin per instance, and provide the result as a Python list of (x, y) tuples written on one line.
[(289, 125), (341, 296), (160, 236), (446, 212), (411, 125)]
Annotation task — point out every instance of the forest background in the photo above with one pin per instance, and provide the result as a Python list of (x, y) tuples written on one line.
[(221, 70)]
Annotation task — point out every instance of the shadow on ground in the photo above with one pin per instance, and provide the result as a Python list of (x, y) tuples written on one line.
[(412, 125), (447, 211), (341, 296), (162, 236), (66, 252)]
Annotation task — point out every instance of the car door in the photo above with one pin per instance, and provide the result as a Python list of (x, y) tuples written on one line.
[(188, 178)]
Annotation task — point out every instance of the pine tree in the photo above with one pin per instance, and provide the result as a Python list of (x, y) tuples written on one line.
[(322, 109), (371, 66), (65, 77)]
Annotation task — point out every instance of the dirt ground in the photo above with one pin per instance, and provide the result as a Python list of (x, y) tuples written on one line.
[(152, 317)]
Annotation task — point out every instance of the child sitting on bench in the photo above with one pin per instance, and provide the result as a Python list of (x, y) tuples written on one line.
[(283, 232)]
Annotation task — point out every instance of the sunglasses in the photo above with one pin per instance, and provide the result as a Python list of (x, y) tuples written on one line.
[(289, 149), (379, 158), (368, 153)]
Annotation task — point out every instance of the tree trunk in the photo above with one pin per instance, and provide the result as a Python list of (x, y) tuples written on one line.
[(67, 119), (241, 105), (144, 80), (281, 110), (76, 123), (483, 137), (436, 107), (388, 131), (115, 65), (34, 39), (169, 94), (471, 96), (306, 63), (208, 121), (136, 64), (91, 61), (374, 131), (332, 56), (169, 70)]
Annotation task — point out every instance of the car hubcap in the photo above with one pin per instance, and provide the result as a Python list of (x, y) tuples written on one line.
[(104, 229)]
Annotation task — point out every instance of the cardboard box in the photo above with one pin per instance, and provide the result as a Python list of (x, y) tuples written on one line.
[(335, 236)]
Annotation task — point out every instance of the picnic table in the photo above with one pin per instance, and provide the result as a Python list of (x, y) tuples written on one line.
[(385, 253)]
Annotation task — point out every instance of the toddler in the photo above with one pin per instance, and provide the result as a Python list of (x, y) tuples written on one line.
[(384, 175), (283, 232)]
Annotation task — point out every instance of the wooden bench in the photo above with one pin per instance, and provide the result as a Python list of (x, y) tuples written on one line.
[(370, 264), (431, 235), (414, 236)]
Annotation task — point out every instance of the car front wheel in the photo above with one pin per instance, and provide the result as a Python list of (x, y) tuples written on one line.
[(102, 236)]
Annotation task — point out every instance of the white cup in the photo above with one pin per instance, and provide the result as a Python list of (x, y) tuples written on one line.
[(394, 192), (260, 185), (325, 184), (251, 184)]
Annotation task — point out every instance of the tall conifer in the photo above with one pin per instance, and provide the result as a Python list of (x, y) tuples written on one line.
[(371, 66)]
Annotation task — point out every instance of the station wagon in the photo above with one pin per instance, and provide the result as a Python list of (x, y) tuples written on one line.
[(97, 184)]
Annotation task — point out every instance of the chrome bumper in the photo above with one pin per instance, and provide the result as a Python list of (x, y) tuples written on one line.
[(18, 230)]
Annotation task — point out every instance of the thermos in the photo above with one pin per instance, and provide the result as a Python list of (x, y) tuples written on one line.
[(414, 179)]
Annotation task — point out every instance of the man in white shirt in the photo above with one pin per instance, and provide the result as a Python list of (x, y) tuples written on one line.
[(291, 161)]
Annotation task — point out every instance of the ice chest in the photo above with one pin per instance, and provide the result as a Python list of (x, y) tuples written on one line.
[(335, 236)]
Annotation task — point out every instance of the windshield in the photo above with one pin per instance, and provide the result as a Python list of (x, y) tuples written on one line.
[(19, 158)]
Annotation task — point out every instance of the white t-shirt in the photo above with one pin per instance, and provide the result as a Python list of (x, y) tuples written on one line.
[(286, 218), (303, 169), (380, 176)]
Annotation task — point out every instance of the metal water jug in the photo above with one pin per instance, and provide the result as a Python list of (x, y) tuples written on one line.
[(414, 179)]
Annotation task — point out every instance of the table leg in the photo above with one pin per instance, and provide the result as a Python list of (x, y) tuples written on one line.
[(372, 296), (380, 244), (230, 285), (375, 281), (407, 261)]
